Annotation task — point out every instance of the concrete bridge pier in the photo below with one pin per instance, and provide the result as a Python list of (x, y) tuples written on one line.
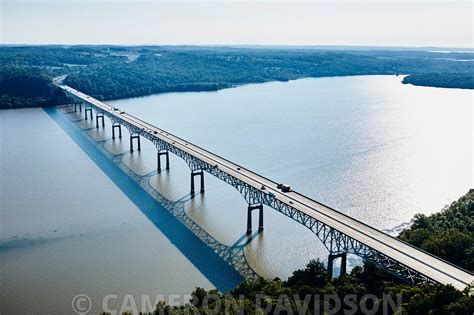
[(197, 173), (116, 125), (331, 259), (131, 142), (97, 116), (85, 112), (260, 217), (75, 106), (166, 154)]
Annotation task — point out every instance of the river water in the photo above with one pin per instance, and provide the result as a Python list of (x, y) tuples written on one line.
[(81, 215)]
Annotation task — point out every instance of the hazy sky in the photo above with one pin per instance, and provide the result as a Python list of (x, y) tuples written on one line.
[(381, 23)]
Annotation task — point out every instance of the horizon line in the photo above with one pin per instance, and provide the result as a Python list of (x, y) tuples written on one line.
[(297, 46)]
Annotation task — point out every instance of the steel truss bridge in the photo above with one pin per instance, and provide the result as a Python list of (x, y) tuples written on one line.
[(339, 233)]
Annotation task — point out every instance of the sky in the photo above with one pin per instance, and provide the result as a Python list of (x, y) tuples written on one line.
[(222, 22)]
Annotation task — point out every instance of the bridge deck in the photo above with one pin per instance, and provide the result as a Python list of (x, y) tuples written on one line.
[(412, 257)]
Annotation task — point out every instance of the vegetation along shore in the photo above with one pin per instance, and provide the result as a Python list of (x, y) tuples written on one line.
[(114, 72)]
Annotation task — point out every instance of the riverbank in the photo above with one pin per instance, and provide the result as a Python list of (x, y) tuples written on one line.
[(112, 72), (441, 80)]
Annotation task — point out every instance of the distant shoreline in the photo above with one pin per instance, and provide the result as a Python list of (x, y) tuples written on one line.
[(118, 72), (406, 79), (403, 76)]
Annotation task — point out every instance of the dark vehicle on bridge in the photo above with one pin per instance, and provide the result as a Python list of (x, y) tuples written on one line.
[(284, 187)]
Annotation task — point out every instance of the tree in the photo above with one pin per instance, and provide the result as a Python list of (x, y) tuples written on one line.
[(315, 275)]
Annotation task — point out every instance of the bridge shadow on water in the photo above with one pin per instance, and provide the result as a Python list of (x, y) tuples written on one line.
[(224, 266)]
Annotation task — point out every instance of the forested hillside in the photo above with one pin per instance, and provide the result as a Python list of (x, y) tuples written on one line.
[(27, 87), (448, 80), (112, 72), (448, 234)]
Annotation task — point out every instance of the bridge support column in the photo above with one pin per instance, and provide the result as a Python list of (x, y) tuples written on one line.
[(131, 142), (197, 173), (116, 125), (331, 259), (97, 116), (249, 217), (75, 106), (85, 112), (166, 154)]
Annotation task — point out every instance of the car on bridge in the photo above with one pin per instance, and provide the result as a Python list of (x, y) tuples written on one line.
[(284, 187)]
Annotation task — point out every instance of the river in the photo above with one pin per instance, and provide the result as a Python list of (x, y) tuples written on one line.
[(73, 222)]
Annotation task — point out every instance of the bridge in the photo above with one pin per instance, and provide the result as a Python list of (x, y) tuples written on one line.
[(340, 234)]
